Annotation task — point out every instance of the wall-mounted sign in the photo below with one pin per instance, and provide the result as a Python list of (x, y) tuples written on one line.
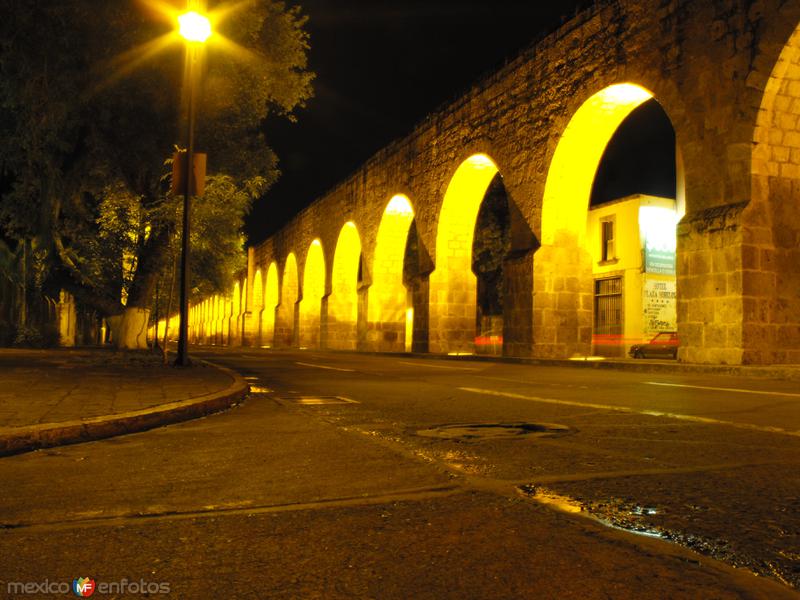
[(658, 260), (660, 306)]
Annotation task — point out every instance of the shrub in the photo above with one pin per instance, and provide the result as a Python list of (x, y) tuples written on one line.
[(45, 336)]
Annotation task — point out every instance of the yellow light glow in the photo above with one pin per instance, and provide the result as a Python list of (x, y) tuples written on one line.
[(409, 345), (270, 302), (236, 298), (284, 327), (572, 170), (387, 294), (399, 205), (194, 27), (258, 291), (343, 301), (313, 290), (453, 286), (289, 291)]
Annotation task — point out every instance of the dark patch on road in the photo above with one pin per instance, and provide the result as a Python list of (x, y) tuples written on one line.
[(494, 431)]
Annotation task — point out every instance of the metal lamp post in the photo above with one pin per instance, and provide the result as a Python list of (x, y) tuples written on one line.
[(195, 29)]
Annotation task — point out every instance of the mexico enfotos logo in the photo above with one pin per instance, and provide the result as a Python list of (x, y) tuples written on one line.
[(85, 587)]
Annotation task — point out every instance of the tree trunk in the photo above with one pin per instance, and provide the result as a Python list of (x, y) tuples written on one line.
[(129, 330)]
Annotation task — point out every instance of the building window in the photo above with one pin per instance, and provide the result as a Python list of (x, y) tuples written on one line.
[(608, 305), (607, 251)]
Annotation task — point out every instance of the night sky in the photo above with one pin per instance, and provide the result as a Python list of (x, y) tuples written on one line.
[(381, 67)]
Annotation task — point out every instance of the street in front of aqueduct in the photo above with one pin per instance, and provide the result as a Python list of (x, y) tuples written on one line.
[(346, 475)]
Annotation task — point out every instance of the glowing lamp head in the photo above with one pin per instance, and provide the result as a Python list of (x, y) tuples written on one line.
[(194, 27)]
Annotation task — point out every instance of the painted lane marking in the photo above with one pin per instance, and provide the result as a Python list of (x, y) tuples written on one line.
[(325, 367), (321, 400), (626, 409), (721, 389), (403, 362), (257, 389)]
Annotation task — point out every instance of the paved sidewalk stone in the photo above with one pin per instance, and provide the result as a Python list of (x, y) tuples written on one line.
[(53, 386)]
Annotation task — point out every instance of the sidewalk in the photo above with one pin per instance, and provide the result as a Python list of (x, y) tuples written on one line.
[(50, 397)]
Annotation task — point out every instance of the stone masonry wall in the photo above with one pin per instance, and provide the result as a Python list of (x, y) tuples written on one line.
[(708, 63)]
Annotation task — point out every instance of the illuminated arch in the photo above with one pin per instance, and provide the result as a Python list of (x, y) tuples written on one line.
[(271, 300), (772, 222), (343, 301), (389, 316), (228, 315), (258, 291), (569, 179), (453, 286), (236, 313), (563, 270), (204, 322), (254, 323), (312, 293), (217, 319), (285, 329), (218, 308)]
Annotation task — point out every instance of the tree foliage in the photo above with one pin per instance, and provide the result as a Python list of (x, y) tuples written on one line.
[(89, 117)]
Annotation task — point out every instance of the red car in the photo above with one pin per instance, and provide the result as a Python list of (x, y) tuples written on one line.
[(664, 345)]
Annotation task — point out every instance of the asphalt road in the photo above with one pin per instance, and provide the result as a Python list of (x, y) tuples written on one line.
[(346, 475)]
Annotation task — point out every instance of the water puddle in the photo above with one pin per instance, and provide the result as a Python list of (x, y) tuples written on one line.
[(635, 518), (626, 518)]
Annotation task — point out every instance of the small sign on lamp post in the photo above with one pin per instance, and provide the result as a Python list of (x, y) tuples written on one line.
[(198, 178)]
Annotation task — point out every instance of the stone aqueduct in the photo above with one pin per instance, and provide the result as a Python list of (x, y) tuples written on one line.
[(726, 72)]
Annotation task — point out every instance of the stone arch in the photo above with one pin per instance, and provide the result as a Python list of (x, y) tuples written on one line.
[(271, 300), (390, 315), (313, 291), (254, 323), (286, 322), (228, 324), (235, 315), (771, 245), (258, 291), (563, 277), (453, 286), (576, 159), (343, 305), (219, 306)]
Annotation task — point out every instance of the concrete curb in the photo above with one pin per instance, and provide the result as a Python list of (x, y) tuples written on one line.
[(16, 440)]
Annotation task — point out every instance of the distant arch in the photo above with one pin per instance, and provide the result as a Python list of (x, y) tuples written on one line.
[(390, 315), (235, 319), (271, 300), (258, 291), (286, 329), (343, 301), (311, 298)]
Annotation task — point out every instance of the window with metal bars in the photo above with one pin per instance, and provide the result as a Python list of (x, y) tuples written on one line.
[(608, 306)]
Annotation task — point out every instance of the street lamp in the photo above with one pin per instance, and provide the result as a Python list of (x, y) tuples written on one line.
[(195, 29)]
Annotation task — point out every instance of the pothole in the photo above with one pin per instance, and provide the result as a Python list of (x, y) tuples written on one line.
[(494, 431)]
